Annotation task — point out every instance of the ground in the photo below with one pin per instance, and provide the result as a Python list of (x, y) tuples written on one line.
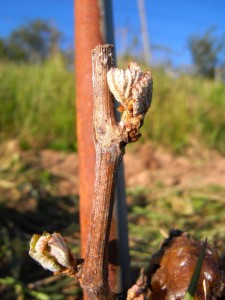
[(39, 192), (145, 166)]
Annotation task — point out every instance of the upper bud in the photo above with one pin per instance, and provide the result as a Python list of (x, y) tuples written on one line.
[(132, 88)]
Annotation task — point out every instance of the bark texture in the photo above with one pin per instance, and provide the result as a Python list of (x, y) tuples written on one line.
[(109, 150)]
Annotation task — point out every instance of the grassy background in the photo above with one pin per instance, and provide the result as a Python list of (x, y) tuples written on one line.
[(186, 109), (37, 106)]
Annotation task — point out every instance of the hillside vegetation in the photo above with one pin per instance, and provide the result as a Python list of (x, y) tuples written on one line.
[(37, 106)]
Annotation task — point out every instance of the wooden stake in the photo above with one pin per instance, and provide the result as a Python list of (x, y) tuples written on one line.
[(94, 25)]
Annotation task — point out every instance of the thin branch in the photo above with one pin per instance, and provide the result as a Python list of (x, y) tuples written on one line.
[(94, 274)]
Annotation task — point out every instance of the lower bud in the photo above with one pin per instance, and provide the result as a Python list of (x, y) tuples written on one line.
[(52, 252)]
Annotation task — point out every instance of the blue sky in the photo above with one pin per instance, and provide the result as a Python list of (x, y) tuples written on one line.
[(170, 23)]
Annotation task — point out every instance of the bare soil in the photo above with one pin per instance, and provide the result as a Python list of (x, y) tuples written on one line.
[(146, 166)]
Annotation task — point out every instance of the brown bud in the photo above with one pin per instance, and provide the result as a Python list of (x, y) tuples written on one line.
[(176, 262)]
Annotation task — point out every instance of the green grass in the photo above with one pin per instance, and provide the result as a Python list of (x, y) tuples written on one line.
[(195, 277), (186, 110), (37, 104), (197, 211)]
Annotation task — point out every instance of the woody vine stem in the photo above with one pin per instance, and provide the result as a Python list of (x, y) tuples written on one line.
[(132, 88)]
